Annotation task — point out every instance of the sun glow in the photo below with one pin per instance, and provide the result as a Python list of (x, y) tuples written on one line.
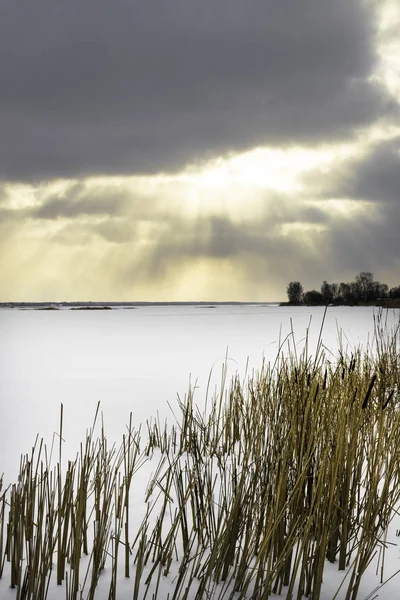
[(272, 169), (388, 46), (346, 207)]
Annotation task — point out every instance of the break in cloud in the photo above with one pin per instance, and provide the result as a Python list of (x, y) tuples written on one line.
[(190, 150)]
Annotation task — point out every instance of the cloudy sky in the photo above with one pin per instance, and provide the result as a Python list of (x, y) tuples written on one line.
[(197, 149)]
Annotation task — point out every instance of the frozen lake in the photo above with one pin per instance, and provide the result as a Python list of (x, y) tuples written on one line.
[(138, 361)]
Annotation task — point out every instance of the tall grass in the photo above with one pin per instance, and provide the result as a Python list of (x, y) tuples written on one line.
[(296, 466)]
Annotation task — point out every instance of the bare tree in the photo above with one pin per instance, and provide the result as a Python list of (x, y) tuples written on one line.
[(365, 285), (346, 293), (326, 292), (295, 292)]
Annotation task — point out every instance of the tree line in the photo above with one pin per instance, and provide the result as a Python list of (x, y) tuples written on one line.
[(364, 289)]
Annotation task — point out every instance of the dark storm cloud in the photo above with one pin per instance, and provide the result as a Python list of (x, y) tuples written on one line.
[(143, 86)]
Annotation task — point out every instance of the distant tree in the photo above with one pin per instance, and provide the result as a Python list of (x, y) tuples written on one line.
[(344, 290), (346, 293), (313, 298), (356, 293), (365, 286), (394, 292), (326, 293), (295, 292), (363, 289), (335, 291), (381, 290)]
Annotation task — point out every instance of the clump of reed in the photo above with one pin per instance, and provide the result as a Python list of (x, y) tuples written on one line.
[(250, 496)]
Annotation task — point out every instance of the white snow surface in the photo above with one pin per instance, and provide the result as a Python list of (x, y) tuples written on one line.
[(138, 361)]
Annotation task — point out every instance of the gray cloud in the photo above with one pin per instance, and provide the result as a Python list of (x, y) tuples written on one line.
[(78, 200), (254, 245), (177, 236), (330, 246), (9, 216), (376, 178), (145, 86), (366, 244), (370, 239), (117, 231), (148, 235), (3, 195)]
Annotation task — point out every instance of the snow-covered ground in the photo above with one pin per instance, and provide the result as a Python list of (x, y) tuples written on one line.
[(138, 361)]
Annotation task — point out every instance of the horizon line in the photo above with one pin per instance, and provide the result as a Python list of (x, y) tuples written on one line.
[(133, 302)]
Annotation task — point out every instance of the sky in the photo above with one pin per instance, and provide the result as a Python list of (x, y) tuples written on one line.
[(172, 150)]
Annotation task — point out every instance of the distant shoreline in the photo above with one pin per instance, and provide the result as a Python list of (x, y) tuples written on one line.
[(386, 303), (383, 303), (125, 305)]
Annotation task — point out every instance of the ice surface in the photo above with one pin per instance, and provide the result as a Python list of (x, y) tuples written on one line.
[(139, 360)]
